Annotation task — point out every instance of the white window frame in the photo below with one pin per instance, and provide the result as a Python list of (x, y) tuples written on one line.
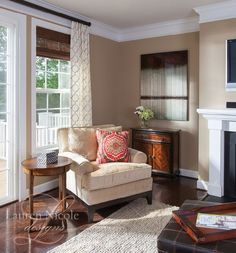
[(50, 91), (18, 23), (54, 27)]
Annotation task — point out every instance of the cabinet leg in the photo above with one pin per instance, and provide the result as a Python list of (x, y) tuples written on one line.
[(149, 198)]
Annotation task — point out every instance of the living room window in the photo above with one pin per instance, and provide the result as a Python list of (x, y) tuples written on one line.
[(52, 99), (51, 108)]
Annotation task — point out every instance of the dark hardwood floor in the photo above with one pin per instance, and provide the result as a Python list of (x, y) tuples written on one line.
[(13, 221), (223, 199)]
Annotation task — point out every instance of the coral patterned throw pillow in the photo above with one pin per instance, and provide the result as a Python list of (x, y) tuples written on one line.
[(112, 146)]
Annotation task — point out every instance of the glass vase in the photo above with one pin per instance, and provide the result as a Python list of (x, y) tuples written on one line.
[(144, 123)]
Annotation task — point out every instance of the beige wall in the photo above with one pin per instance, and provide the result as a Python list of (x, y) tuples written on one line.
[(128, 94), (105, 76), (212, 92)]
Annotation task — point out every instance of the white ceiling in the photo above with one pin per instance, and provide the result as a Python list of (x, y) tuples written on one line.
[(132, 13)]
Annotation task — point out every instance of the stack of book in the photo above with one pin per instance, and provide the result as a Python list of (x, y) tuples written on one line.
[(218, 221)]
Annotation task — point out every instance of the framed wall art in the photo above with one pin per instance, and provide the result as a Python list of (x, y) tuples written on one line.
[(164, 84)]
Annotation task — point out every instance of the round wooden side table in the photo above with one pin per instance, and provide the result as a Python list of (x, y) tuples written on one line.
[(33, 168)]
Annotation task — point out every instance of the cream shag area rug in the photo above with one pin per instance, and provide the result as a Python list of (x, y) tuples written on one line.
[(132, 229)]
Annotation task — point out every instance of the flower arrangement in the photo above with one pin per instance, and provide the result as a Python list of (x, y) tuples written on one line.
[(145, 114)]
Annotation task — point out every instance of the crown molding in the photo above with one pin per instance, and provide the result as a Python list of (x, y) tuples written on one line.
[(172, 27), (104, 30), (215, 12)]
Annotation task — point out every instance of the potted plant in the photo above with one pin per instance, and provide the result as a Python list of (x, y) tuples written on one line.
[(144, 114)]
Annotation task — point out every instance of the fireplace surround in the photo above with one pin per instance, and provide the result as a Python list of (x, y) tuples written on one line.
[(219, 122)]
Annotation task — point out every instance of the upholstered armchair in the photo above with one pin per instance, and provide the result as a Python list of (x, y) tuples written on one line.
[(101, 185)]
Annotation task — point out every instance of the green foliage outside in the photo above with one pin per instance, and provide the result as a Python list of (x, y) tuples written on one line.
[(40, 79), (52, 65), (52, 80), (3, 69), (48, 71), (3, 40), (52, 74), (3, 51), (40, 63)]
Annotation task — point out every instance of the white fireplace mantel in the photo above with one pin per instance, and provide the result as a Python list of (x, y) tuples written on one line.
[(219, 121)]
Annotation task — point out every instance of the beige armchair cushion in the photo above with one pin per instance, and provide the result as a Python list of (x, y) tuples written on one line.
[(116, 192), (62, 136), (84, 141), (111, 174)]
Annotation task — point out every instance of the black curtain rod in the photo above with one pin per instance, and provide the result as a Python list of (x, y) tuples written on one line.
[(44, 9)]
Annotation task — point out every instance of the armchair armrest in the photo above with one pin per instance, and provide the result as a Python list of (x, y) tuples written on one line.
[(80, 164), (137, 156)]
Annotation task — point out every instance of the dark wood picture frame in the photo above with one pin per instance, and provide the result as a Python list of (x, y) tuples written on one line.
[(164, 60)]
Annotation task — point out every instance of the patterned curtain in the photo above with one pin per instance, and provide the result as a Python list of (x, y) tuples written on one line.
[(81, 98)]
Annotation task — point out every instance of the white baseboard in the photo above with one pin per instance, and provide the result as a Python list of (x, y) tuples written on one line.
[(188, 173), (202, 185), (43, 187)]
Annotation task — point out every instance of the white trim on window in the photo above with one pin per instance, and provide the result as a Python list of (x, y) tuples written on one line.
[(51, 26), (18, 22)]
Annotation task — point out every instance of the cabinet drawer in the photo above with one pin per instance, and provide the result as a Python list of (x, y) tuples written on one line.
[(153, 136)]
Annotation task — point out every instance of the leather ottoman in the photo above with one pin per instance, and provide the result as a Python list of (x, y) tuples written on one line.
[(173, 239)]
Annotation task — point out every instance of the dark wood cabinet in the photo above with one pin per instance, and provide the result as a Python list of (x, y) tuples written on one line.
[(161, 148)]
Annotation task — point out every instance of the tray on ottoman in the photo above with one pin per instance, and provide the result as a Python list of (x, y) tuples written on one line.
[(174, 239), (187, 219)]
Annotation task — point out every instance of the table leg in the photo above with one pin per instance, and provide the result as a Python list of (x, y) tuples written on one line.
[(62, 196), (31, 193), (60, 187), (64, 192)]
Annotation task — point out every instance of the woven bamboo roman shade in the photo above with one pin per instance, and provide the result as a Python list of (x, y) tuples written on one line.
[(53, 44)]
